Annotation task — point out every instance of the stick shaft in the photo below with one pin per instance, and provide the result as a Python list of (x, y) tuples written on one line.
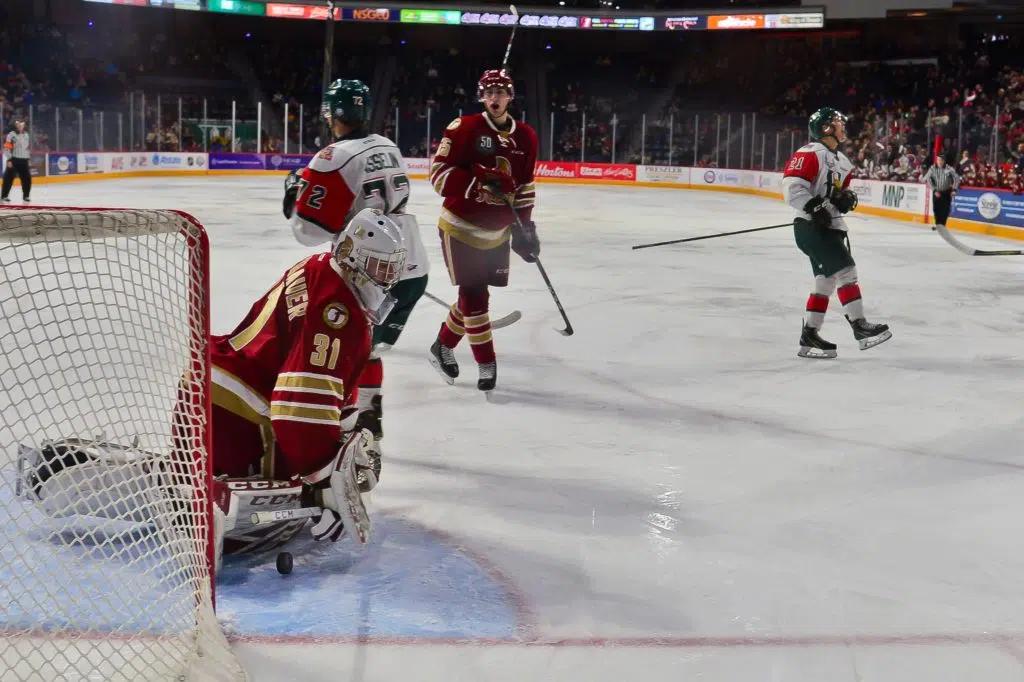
[(711, 236), (285, 515), (551, 290), (508, 47)]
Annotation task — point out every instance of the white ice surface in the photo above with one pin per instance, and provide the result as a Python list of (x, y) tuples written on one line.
[(671, 493)]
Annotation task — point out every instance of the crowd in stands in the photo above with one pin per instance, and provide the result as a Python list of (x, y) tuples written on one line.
[(716, 101)]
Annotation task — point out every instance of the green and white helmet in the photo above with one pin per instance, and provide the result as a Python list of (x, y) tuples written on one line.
[(821, 119), (347, 101)]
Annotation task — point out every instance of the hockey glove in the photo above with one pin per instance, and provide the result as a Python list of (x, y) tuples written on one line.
[(339, 494), (817, 208), (525, 241), (291, 193), (845, 200), (499, 181)]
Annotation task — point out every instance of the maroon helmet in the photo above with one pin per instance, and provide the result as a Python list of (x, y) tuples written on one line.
[(495, 78)]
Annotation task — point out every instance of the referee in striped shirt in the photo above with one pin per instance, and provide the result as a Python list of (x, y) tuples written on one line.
[(16, 149), (943, 182)]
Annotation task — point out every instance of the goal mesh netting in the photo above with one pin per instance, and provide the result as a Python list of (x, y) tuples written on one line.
[(106, 570)]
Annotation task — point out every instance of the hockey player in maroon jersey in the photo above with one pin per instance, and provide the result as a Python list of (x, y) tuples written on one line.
[(283, 381), (483, 163), (285, 433)]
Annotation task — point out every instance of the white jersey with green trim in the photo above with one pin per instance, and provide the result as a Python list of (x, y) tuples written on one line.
[(348, 176), (816, 171)]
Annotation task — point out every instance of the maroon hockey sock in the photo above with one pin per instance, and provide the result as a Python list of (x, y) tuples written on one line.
[(453, 328), (370, 381), (477, 322), (478, 328)]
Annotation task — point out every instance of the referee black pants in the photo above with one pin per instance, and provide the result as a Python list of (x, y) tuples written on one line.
[(940, 207), (20, 168)]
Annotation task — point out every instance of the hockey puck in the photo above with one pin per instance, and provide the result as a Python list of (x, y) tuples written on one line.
[(284, 563)]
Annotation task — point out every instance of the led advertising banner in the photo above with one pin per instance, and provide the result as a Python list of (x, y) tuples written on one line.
[(810, 18), (257, 9), (692, 23), (430, 16), (620, 23)]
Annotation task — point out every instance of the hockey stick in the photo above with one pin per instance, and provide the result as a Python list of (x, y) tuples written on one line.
[(508, 47), (509, 319), (568, 331), (711, 236), (963, 248), (258, 518), (326, 134)]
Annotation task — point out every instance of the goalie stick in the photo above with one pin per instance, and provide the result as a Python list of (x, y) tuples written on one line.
[(258, 518), (509, 319), (963, 248)]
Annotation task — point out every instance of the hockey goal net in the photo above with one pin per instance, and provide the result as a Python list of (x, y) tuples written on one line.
[(105, 510)]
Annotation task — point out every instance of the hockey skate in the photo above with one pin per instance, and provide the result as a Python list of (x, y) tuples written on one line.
[(442, 359), (869, 335), (815, 347), (488, 376)]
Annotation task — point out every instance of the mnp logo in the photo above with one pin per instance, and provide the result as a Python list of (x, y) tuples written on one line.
[(893, 196)]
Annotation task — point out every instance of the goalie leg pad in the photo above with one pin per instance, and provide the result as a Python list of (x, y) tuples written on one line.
[(235, 501), (76, 477)]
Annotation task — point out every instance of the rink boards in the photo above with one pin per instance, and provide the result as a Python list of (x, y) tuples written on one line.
[(980, 211)]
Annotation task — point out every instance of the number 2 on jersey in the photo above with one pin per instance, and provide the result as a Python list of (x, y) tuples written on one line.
[(316, 198), (396, 192)]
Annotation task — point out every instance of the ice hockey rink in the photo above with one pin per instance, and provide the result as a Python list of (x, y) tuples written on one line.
[(669, 494)]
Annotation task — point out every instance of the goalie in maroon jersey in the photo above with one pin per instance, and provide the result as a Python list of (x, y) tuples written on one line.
[(283, 387), (483, 165), (285, 432)]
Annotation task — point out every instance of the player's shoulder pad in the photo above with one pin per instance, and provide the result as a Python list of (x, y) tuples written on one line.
[(812, 148), (329, 158), (456, 123), (527, 128)]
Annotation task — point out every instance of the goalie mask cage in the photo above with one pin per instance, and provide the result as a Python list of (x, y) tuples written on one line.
[(105, 472)]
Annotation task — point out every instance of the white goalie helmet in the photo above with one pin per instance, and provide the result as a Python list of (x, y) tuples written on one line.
[(373, 251)]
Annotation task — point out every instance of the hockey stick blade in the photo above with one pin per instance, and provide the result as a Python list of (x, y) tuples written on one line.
[(963, 248), (568, 331), (499, 323), (258, 518)]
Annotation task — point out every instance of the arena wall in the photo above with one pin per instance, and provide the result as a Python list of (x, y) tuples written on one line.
[(998, 213)]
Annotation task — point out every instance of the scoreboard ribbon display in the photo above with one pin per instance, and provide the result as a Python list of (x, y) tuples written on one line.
[(806, 18)]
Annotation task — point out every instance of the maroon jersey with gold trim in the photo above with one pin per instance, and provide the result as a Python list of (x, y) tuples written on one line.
[(468, 140), (291, 365)]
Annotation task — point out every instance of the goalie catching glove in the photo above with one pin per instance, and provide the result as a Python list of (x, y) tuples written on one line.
[(338, 487)]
